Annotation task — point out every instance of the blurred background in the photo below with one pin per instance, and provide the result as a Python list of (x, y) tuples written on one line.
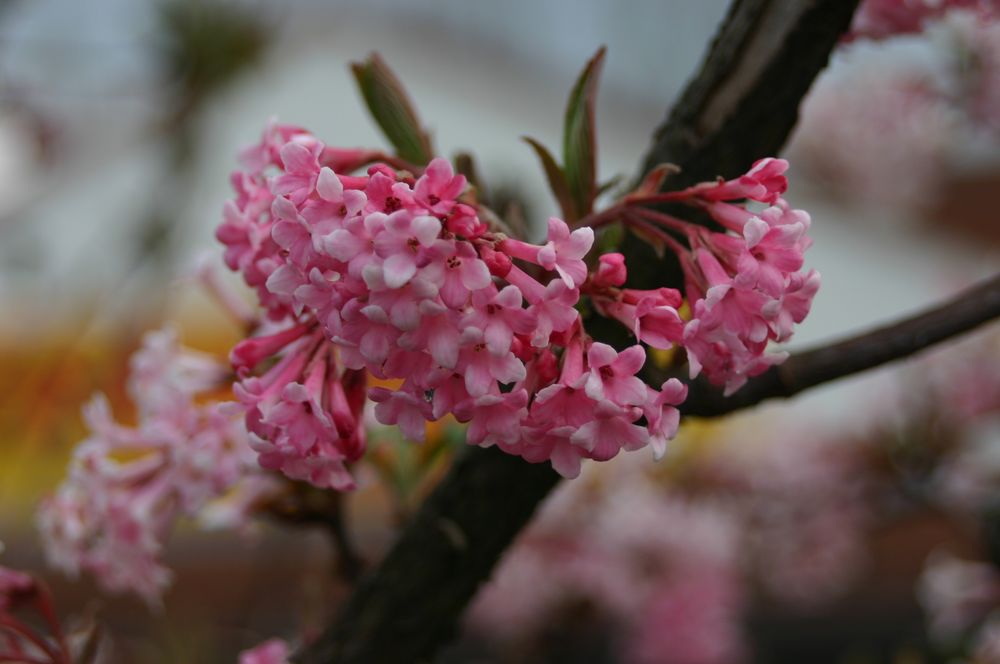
[(845, 526)]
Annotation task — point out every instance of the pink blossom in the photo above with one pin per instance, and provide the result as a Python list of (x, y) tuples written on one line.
[(611, 270), (367, 336), (499, 315), (557, 412), (457, 270), (300, 161), (650, 315), (793, 305), (721, 354), (406, 409), (564, 252), (354, 243), (438, 188), (610, 431), (436, 332), (612, 374), (400, 244), (494, 419), (553, 311), (127, 486), (482, 368), (661, 413), (764, 182)]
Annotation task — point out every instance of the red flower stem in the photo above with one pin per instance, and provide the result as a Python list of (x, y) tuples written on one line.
[(606, 216), (665, 220), (665, 197), (659, 234)]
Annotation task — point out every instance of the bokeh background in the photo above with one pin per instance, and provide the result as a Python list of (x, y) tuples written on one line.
[(803, 532)]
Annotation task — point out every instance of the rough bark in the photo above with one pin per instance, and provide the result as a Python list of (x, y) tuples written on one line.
[(741, 106), (409, 606)]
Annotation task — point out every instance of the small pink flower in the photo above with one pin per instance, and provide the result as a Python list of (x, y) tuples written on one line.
[(494, 419), (612, 374), (457, 271), (438, 187), (662, 417), (611, 270), (554, 311), (564, 252), (300, 161), (610, 431), (481, 368), (354, 244), (557, 412), (437, 332), (402, 242), (764, 182), (406, 409), (449, 391), (367, 336), (793, 305), (499, 315)]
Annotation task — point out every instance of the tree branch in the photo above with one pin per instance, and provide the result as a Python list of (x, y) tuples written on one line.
[(409, 606), (964, 312), (740, 107)]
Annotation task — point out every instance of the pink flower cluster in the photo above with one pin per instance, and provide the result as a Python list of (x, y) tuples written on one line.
[(744, 287), (127, 486), (398, 277)]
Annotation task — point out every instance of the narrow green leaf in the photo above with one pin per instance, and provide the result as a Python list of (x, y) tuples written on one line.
[(390, 106), (557, 180), (579, 143)]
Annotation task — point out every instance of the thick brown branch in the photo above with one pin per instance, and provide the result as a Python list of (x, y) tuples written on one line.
[(745, 100), (806, 369), (740, 107), (409, 606)]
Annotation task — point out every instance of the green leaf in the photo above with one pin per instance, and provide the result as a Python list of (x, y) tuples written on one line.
[(579, 143), (557, 180), (390, 106)]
